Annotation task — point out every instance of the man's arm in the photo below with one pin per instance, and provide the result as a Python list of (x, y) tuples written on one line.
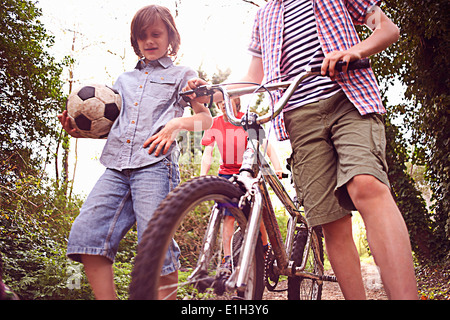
[(255, 72), (385, 33)]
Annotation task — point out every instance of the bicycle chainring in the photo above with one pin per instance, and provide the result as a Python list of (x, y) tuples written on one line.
[(270, 277)]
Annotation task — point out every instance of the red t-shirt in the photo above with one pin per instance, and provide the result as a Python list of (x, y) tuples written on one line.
[(231, 141)]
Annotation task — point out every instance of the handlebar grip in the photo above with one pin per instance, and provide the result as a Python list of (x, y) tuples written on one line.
[(185, 94), (185, 97), (199, 92), (353, 65), (359, 64)]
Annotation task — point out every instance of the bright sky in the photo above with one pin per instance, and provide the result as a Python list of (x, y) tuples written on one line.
[(214, 34)]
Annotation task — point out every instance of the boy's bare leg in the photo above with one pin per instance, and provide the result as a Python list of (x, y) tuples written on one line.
[(101, 276), (228, 231), (387, 235), (344, 258), (167, 280)]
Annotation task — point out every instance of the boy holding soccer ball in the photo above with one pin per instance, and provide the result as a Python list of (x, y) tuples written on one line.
[(141, 168)]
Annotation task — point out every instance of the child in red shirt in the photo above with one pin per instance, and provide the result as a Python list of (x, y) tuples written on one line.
[(231, 142)]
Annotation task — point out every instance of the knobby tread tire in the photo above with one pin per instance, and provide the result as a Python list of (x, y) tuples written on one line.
[(294, 282), (159, 232)]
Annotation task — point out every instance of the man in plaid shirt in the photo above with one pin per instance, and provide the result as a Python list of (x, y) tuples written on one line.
[(336, 131)]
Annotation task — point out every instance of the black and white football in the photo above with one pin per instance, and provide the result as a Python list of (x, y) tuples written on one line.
[(92, 110)]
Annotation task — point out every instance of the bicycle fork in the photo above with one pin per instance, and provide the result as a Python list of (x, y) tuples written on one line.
[(240, 276), (239, 279)]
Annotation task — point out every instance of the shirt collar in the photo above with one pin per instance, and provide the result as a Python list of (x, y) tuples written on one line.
[(165, 62)]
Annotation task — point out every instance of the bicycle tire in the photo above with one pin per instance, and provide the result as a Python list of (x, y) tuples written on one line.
[(162, 227), (302, 288)]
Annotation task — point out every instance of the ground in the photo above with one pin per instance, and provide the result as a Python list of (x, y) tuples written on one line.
[(433, 283), (331, 291)]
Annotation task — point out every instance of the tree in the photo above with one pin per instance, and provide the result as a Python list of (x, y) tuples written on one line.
[(30, 90), (422, 62)]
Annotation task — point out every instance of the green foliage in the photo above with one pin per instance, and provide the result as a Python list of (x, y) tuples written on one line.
[(35, 220), (434, 281), (409, 199), (35, 215), (421, 61), (30, 87)]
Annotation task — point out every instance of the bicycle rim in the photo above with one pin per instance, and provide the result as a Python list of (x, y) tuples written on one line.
[(202, 274)]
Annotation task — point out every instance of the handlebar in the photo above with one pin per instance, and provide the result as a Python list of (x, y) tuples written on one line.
[(353, 65), (289, 86)]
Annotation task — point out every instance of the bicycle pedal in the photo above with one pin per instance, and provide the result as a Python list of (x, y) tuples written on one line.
[(224, 272)]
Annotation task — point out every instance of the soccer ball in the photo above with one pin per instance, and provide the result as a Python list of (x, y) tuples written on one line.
[(92, 110)]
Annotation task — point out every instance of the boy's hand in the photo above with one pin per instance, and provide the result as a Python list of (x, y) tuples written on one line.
[(279, 173), (194, 84), (162, 140), (65, 121)]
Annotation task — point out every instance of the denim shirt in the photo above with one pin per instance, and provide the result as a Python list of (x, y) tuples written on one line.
[(149, 100)]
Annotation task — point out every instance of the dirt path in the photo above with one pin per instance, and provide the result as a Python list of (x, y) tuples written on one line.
[(331, 290)]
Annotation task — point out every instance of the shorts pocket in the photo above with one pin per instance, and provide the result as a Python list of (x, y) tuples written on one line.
[(379, 139)]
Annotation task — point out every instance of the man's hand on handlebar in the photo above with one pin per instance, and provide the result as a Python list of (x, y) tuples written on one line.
[(331, 59)]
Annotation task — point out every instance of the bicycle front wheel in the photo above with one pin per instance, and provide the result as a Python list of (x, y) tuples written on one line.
[(204, 271)]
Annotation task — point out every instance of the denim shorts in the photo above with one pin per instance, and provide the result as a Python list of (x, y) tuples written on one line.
[(118, 201), (332, 143)]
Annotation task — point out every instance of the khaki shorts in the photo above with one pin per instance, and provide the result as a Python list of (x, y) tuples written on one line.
[(331, 144)]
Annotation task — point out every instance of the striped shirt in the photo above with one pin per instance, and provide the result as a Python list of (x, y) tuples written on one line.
[(301, 48), (335, 21)]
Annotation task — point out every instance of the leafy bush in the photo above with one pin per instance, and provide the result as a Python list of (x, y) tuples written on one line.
[(35, 221)]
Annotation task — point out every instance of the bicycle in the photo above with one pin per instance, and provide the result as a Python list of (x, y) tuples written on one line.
[(299, 257)]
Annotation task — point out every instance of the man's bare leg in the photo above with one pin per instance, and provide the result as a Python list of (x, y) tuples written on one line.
[(387, 235), (344, 257)]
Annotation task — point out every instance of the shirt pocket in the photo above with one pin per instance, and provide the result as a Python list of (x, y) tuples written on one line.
[(160, 87)]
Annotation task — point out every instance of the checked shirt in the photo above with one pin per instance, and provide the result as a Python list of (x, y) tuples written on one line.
[(335, 21)]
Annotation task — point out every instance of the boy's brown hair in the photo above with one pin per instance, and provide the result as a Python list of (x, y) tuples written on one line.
[(145, 18)]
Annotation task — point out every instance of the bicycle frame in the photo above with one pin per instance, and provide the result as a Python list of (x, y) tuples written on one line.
[(254, 174), (255, 181)]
